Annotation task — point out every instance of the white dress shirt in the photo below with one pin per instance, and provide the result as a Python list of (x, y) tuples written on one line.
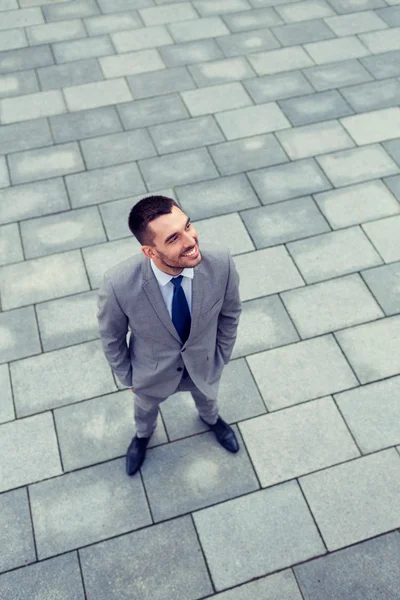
[(167, 288)]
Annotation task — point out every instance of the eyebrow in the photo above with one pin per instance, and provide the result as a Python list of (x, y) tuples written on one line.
[(176, 233)]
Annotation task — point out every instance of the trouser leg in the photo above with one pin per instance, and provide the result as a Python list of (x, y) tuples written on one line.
[(206, 407), (146, 413)]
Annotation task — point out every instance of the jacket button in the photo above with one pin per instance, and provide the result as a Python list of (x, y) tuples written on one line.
[(179, 369)]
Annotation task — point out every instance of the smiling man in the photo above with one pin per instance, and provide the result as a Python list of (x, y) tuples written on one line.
[(182, 307)]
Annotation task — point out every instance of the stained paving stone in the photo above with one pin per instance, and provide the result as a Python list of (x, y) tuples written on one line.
[(6, 402), (247, 154), (29, 451), (372, 414), (336, 75), (221, 71), (297, 440), (369, 568), (84, 124), (59, 76), (285, 221), (384, 284), (238, 44), (16, 84), (253, 19), (18, 546), (252, 120), (117, 148), (182, 135), (177, 55), (111, 571), (228, 229), (276, 61), (32, 200), (356, 500), (98, 430), (19, 334), (10, 244), (59, 576), (299, 372), (372, 349), (101, 257), (54, 379), (86, 506), (286, 519), (157, 83), (152, 111), (311, 140), (277, 87), (33, 165), (331, 305), (385, 235), (272, 587), (238, 399), (315, 108), (216, 98)]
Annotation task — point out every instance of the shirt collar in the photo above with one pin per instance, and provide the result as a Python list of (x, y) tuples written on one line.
[(164, 278)]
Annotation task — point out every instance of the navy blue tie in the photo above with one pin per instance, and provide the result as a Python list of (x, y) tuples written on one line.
[(180, 309)]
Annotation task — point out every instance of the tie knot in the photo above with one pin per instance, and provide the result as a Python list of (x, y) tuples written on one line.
[(176, 281)]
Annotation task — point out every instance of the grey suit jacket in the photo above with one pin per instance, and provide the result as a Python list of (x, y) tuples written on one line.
[(153, 359)]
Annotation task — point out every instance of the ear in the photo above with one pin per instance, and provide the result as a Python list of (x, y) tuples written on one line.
[(148, 251)]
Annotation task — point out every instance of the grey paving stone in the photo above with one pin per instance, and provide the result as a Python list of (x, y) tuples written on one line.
[(310, 140), (131, 63), (142, 113), (61, 377), (374, 126), (10, 244), (33, 200), (385, 235), (276, 61), (64, 231), (4, 177), (356, 500), (373, 349), (25, 58), (390, 15), (17, 540), (182, 135), (146, 37), (285, 518), (31, 106), (382, 41), (261, 3), (264, 324), (221, 71), (19, 334), (100, 185), (216, 98), (329, 51), (284, 222), (157, 15), (68, 321), (28, 451), (297, 440), (331, 305), (238, 399), (42, 163), (373, 95), (113, 22), (315, 108), (167, 81), (84, 48), (94, 95), (200, 469), (111, 6), (276, 87), (177, 168), (393, 147), (59, 76), (98, 430), (21, 18), (303, 11), (357, 165), (208, 27), (349, 6), (368, 568), (219, 196), (333, 254), (42, 279), (252, 19), (86, 506), (87, 123), (112, 572), (247, 154), (217, 7), (6, 401), (300, 372), (55, 32), (357, 204), (384, 284), (100, 258), (237, 44), (338, 74), (372, 413), (348, 25), (252, 120), (18, 83), (177, 55), (288, 181), (229, 230), (60, 576), (8, 4), (70, 10), (117, 148), (14, 38), (383, 65), (274, 587), (115, 214), (266, 272), (305, 31)]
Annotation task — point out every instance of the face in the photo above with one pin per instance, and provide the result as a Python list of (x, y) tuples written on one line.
[(175, 243)]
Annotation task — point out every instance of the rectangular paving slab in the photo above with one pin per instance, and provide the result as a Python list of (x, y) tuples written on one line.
[(19, 334), (90, 123), (24, 136), (385, 235), (181, 135), (17, 547), (10, 244), (252, 120), (384, 284), (43, 163), (273, 587), (6, 401)]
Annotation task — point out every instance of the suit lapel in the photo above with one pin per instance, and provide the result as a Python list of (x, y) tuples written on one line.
[(152, 289), (197, 300)]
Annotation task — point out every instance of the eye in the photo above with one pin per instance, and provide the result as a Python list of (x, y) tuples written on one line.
[(188, 226)]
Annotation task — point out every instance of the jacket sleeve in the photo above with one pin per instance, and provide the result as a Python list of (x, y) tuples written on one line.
[(228, 319), (113, 326)]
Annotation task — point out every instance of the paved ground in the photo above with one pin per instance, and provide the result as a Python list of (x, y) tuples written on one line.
[(276, 126)]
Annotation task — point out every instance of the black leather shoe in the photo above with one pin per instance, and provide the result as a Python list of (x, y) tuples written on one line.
[(224, 434), (136, 454)]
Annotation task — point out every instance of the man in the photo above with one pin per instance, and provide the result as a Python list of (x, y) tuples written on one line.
[(182, 308)]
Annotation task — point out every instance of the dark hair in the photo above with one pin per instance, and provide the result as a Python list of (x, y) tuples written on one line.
[(145, 211)]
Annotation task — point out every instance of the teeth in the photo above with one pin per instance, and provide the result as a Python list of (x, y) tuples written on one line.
[(191, 252)]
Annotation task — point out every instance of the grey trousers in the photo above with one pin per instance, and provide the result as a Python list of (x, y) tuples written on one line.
[(146, 408)]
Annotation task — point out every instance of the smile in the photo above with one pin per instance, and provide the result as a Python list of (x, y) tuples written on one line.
[(192, 253)]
